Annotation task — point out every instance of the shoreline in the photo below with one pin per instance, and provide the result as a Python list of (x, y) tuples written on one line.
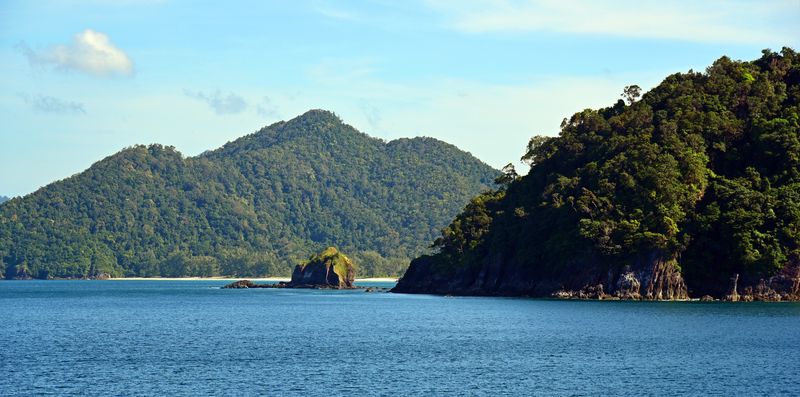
[(366, 279)]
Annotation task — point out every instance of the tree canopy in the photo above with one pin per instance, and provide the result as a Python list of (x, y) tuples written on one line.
[(254, 207), (703, 169)]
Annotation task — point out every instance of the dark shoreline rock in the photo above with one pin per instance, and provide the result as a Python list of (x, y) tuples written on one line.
[(246, 284), (647, 278), (241, 284)]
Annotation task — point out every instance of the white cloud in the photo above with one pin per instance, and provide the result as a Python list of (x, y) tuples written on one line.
[(221, 103), (703, 21), (89, 52)]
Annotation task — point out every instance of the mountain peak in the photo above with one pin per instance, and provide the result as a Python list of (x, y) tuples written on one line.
[(317, 116)]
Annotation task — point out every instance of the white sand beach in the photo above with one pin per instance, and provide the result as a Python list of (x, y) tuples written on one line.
[(368, 279)]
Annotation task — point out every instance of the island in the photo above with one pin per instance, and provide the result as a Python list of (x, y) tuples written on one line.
[(330, 269)]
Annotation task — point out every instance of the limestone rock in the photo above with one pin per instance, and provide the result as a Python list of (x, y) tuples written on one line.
[(733, 295), (328, 269), (628, 287)]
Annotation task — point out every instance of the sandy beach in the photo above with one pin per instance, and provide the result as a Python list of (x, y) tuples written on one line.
[(368, 279)]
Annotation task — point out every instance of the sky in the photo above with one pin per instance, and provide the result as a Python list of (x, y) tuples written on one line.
[(81, 80)]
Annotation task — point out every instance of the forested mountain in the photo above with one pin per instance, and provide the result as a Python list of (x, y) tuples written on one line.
[(254, 207), (3, 199), (668, 196)]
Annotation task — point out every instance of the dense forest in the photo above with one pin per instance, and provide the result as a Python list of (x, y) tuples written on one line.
[(255, 207), (701, 173)]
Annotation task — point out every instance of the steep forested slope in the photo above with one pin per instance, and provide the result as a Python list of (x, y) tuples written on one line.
[(254, 207), (670, 195)]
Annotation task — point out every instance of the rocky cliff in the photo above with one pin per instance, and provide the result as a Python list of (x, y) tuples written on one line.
[(650, 277)]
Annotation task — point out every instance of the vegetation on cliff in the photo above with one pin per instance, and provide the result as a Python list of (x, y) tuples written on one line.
[(327, 268), (702, 172), (254, 207)]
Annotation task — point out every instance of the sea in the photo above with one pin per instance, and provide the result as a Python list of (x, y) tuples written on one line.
[(192, 338)]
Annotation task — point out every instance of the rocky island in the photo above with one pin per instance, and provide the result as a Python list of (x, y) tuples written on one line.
[(691, 190), (330, 269)]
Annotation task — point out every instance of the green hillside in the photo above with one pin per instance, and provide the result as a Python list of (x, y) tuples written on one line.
[(254, 207), (701, 174)]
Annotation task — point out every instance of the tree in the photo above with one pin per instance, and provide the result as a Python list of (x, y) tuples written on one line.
[(631, 93), (509, 175)]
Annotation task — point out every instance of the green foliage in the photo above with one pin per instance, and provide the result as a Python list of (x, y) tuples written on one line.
[(331, 256), (704, 168), (255, 207)]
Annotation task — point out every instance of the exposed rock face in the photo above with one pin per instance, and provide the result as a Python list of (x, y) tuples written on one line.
[(733, 294), (328, 269), (650, 277), (784, 286)]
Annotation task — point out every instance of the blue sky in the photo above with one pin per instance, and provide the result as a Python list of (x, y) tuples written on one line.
[(83, 79)]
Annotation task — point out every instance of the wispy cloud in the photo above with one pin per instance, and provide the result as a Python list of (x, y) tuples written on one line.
[(267, 108), (336, 13), (89, 52), (372, 114), (338, 70), (703, 21), (49, 104), (229, 103)]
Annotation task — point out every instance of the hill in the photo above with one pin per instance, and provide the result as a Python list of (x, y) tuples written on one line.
[(3, 199), (693, 190), (254, 207)]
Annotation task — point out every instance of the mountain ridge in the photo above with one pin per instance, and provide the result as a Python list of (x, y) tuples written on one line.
[(255, 206)]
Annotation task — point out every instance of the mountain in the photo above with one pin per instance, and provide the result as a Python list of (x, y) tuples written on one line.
[(3, 199), (254, 207), (693, 190)]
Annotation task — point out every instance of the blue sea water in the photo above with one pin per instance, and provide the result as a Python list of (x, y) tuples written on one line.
[(192, 338)]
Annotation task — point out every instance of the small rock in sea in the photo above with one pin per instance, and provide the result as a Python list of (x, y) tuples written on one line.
[(328, 269), (241, 284), (707, 298)]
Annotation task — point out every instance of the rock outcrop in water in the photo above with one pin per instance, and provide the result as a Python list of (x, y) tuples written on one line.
[(330, 269), (244, 284)]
